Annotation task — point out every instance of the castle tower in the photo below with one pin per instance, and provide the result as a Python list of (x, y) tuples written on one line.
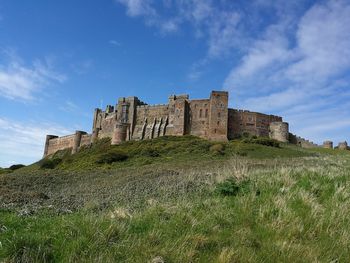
[(328, 144), (178, 116), (343, 146), (94, 136), (77, 140), (218, 116), (279, 131), (119, 133), (47, 143)]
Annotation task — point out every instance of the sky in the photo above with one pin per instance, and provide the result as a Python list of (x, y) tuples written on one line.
[(59, 60)]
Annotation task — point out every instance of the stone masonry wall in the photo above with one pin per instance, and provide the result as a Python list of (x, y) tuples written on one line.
[(199, 118), (207, 118), (253, 123), (60, 143)]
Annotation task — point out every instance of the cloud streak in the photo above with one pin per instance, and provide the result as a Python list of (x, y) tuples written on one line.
[(16, 136), (293, 62), (21, 82)]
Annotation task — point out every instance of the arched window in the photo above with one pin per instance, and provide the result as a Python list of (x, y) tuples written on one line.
[(200, 113), (206, 113)]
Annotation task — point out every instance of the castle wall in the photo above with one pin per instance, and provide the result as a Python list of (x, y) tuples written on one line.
[(85, 140), (199, 118), (107, 124), (253, 123), (73, 141), (60, 143), (150, 121), (299, 141), (132, 119)]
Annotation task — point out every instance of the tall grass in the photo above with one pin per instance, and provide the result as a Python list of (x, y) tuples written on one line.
[(287, 210)]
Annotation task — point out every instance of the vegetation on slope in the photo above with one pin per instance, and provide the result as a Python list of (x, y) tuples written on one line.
[(237, 202), (165, 149)]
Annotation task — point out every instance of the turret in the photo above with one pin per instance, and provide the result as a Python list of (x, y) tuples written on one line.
[(77, 140), (120, 133), (279, 131), (47, 144), (343, 146), (328, 144)]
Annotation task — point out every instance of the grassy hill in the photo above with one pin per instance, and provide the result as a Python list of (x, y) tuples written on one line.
[(179, 199)]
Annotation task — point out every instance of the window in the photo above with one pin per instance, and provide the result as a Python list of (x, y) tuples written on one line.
[(206, 113), (219, 114), (125, 113), (218, 123), (200, 113)]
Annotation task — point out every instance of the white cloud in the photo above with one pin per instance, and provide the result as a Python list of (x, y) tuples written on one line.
[(23, 142), (292, 62), (83, 67), (20, 82), (219, 24), (323, 42), (138, 7), (223, 33), (303, 82), (114, 43)]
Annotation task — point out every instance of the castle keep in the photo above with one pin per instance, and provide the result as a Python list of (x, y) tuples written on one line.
[(132, 119)]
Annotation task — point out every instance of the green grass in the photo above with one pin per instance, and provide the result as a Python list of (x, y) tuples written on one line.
[(164, 149), (238, 202)]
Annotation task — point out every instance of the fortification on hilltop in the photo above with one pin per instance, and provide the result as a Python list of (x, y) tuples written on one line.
[(132, 119)]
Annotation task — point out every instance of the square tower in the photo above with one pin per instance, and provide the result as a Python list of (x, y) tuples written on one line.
[(218, 116)]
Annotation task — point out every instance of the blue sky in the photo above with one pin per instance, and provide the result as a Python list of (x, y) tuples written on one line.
[(61, 59)]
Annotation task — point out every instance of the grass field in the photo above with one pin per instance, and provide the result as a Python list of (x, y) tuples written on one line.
[(179, 200)]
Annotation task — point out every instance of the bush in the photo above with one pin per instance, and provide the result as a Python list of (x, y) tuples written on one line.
[(16, 166), (111, 157), (50, 163), (263, 141), (151, 152), (217, 149), (232, 187), (267, 142)]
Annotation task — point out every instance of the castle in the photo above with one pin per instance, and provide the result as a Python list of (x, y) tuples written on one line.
[(132, 119)]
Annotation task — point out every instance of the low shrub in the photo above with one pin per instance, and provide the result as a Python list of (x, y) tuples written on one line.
[(16, 166), (218, 149), (50, 163), (263, 141), (111, 157), (232, 187), (151, 152)]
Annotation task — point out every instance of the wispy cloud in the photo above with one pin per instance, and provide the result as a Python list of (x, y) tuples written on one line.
[(292, 62), (114, 43), (24, 141), (138, 7), (22, 82), (277, 75), (83, 67)]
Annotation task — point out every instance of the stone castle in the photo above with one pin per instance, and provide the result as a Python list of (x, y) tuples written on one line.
[(212, 119)]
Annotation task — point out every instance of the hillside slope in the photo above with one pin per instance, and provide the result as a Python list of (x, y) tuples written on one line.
[(179, 199)]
